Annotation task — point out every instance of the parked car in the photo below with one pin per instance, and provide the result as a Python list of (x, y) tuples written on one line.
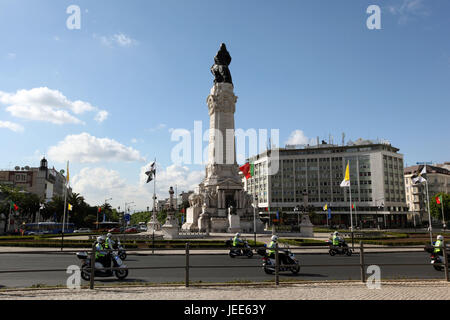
[(131, 230), (114, 230), (83, 230)]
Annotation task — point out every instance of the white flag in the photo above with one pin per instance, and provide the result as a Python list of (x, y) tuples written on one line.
[(419, 178), (346, 181)]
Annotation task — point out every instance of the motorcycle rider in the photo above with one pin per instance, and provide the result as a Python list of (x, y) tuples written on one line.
[(271, 252), (109, 243), (438, 244), (237, 242), (100, 254), (337, 240)]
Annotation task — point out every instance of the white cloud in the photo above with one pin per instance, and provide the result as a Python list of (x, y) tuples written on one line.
[(407, 10), (98, 184), (43, 113), (11, 55), (158, 127), (119, 39), (44, 104), (101, 116), (85, 148), (134, 140), (11, 126), (298, 137)]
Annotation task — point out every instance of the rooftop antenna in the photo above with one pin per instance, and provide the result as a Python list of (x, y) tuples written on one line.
[(317, 141), (343, 138)]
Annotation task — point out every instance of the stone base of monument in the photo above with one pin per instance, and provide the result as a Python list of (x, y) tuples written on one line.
[(234, 223), (219, 224), (306, 227), (204, 223), (247, 226), (170, 229), (153, 226), (192, 215)]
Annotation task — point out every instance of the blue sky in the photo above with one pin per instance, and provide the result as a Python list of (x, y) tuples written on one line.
[(141, 68)]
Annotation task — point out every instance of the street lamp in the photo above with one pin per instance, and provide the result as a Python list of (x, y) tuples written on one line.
[(255, 205), (296, 210)]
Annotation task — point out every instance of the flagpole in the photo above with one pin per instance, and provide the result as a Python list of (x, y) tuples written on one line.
[(442, 207), (9, 218), (65, 205), (429, 214), (350, 191)]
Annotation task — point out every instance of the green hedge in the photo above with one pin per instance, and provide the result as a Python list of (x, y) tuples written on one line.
[(303, 242)]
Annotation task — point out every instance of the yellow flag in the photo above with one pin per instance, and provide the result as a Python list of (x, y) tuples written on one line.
[(346, 181), (325, 207), (70, 207)]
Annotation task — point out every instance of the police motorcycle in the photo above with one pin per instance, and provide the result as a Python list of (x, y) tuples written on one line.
[(341, 250), (436, 260), (270, 263), (121, 252), (245, 251), (120, 273)]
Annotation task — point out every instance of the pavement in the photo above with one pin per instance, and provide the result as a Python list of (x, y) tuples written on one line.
[(389, 290)]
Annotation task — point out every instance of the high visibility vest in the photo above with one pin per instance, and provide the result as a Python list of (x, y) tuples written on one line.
[(99, 251), (108, 243), (335, 240), (437, 244), (271, 246), (235, 241)]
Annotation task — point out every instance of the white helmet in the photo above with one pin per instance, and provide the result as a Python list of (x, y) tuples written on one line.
[(238, 234), (336, 233), (109, 235), (100, 239), (440, 238), (274, 238)]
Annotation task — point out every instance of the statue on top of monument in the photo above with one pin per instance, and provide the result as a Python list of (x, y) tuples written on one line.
[(220, 67)]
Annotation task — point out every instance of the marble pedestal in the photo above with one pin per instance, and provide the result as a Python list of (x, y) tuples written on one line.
[(306, 227)]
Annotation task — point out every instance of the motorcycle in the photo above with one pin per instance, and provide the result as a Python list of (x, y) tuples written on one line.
[(120, 250), (246, 250), (120, 273), (435, 259), (344, 249), (269, 263)]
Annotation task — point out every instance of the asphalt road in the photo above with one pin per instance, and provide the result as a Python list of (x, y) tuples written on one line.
[(238, 269)]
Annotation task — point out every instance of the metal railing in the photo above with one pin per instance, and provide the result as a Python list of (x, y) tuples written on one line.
[(188, 267)]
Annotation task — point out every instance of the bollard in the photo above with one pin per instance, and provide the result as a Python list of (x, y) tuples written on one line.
[(444, 251), (187, 265), (277, 266), (361, 261), (91, 286)]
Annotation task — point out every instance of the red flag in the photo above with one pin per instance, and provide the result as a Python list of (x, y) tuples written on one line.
[(182, 210), (438, 199), (99, 209), (248, 170), (16, 207)]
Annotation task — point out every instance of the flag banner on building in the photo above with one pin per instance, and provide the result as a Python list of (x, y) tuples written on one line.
[(325, 207), (14, 206), (278, 215), (248, 170), (104, 216), (329, 213), (182, 219), (151, 173), (353, 205), (419, 176), (346, 181), (70, 207)]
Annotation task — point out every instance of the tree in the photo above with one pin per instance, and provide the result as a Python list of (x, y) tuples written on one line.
[(436, 209)]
